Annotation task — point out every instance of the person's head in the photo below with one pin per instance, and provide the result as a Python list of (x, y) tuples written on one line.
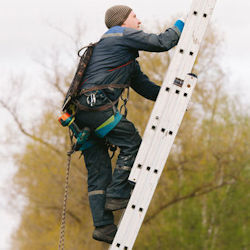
[(121, 15)]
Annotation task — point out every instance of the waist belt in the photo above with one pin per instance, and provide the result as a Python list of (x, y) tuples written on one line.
[(100, 87), (102, 108), (106, 86)]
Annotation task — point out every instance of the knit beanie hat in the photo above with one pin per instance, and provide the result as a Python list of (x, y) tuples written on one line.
[(116, 15)]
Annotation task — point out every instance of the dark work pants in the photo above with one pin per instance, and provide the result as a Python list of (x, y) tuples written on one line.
[(101, 182)]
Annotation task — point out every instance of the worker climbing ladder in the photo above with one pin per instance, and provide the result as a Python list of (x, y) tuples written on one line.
[(164, 123)]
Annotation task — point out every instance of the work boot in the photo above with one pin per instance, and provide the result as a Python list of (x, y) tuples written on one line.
[(105, 233), (115, 203)]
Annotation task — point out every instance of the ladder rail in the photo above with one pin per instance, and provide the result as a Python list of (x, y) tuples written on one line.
[(148, 184)]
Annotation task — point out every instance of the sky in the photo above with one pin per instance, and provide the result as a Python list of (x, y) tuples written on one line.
[(26, 34)]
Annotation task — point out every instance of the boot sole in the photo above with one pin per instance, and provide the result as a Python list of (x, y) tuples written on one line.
[(100, 237)]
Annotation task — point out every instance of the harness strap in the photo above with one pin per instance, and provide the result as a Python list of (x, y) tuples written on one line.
[(108, 125), (104, 107), (106, 86)]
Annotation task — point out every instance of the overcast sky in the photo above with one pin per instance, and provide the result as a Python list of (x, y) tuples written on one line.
[(25, 30)]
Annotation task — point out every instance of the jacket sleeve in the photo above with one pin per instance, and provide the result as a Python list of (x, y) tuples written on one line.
[(142, 85), (139, 40)]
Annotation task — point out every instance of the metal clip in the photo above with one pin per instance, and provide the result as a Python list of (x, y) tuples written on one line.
[(91, 99)]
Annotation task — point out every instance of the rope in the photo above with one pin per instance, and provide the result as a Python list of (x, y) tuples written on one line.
[(63, 220)]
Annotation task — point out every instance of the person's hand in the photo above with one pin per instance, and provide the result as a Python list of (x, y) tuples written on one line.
[(179, 24)]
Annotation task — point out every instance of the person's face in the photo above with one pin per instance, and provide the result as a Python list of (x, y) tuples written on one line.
[(132, 21)]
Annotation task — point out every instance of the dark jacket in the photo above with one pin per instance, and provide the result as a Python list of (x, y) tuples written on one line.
[(114, 62)]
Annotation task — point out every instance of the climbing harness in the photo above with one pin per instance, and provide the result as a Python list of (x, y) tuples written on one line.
[(74, 90)]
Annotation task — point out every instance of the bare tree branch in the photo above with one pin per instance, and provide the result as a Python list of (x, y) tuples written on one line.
[(24, 131), (199, 191), (71, 214)]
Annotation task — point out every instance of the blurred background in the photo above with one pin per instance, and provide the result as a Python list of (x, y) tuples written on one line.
[(202, 200)]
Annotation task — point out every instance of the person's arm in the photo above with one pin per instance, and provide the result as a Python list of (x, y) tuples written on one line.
[(139, 40), (143, 86)]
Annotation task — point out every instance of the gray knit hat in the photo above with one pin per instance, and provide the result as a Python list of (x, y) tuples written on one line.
[(116, 15)]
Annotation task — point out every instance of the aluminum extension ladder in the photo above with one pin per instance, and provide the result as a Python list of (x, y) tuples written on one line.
[(164, 123)]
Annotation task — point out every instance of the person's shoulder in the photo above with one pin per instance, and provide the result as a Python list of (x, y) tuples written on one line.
[(114, 31), (129, 31)]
